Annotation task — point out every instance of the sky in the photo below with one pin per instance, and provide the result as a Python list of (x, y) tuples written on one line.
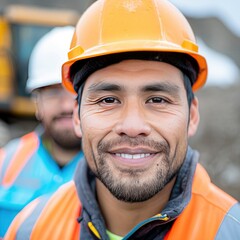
[(225, 10), (222, 69)]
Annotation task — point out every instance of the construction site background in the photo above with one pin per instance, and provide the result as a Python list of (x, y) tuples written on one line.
[(218, 137)]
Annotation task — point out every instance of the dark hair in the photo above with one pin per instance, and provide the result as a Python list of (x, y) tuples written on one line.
[(81, 70), (188, 87)]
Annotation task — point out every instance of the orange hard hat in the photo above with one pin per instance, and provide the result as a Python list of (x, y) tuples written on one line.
[(117, 26)]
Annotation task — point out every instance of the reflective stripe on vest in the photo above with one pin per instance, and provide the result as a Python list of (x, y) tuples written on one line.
[(210, 213), (204, 214), (227, 226), (2, 157), (20, 219), (25, 149), (55, 218)]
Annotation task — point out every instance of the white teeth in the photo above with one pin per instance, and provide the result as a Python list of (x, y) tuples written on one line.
[(133, 156)]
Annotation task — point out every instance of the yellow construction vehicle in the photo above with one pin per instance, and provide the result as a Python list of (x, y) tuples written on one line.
[(20, 28)]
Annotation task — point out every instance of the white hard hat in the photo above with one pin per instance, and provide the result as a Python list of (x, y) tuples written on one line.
[(47, 58)]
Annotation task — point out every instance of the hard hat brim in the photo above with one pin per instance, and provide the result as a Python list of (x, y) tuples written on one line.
[(77, 54)]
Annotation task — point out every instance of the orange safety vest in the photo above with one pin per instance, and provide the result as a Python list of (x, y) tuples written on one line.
[(200, 220), (25, 148)]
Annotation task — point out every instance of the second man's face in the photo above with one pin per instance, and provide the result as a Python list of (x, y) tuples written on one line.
[(134, 122), (55, 109)]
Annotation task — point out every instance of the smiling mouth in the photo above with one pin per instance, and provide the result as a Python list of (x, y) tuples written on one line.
[(136, 160), (133, 156)]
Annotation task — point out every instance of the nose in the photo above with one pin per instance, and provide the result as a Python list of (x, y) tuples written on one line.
[(133, 122)]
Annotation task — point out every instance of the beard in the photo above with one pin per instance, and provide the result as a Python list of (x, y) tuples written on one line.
[(66, 139), (136, 185), (63, 137)]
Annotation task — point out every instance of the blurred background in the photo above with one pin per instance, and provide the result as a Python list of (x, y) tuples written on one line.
[(217, 27)]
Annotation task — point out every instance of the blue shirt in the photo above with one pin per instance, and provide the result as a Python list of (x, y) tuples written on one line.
[(39, 175)]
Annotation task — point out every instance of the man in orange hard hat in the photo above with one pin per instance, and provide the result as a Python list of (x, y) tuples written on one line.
[(134, 65)]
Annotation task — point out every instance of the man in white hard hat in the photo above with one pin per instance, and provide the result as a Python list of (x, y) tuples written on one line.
[(39, 162)]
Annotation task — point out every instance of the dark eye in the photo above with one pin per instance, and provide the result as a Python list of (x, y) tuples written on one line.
[(109, 100), (156, 100)]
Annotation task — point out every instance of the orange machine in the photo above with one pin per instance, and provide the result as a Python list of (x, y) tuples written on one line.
[(20, 28)]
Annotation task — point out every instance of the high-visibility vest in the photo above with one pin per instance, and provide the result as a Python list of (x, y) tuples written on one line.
[(24, 148), (28, 171), (203, 218)]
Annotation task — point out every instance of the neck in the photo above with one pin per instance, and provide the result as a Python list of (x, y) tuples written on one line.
[(61, 155), (121, 217)]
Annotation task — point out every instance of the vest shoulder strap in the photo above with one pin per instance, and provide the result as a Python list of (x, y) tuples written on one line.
[(24, 150), (55, 218), (62, 212), (205, 212)]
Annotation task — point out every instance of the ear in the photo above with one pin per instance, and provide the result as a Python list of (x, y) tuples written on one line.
[(38, 108), (194, 118), (76, 120), (38, 115)]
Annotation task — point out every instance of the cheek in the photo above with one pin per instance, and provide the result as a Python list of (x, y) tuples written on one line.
[(94, 127), (97, 122), (178, 126), (48, 115), (45, 113), (172, 126)]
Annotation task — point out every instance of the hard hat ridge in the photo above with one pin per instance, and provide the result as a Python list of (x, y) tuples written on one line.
[(111, 27)]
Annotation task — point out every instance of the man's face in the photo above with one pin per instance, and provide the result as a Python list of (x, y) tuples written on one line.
[(55, 109), (135, 122)]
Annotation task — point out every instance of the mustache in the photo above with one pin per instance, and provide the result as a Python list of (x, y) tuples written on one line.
[(159, 146), (62, 115)]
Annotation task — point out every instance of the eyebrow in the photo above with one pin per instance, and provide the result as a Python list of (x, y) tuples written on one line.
[(162, 87), (169, 88), (98, 87)]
